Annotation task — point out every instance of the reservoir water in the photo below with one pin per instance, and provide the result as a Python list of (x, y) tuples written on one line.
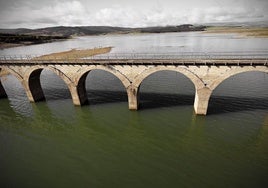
[(164, 144)]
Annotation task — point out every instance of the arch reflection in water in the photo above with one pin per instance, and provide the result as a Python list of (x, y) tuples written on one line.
[(240, 92), (54, 87), (16, 95), (166, 88), (101, 86)]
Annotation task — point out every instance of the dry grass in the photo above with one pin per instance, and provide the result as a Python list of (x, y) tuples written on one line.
[(241, 31), (74, 53)]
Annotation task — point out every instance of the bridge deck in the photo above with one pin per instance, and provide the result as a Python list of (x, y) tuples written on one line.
[(186, 62)]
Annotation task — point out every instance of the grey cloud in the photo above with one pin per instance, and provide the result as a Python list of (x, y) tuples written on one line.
[(30, 13), (45, 21)]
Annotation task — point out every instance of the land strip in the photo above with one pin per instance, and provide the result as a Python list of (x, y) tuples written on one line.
[(239, 30), (75, 54)]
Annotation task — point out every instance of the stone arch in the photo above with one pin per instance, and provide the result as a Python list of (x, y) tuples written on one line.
[(133, 91), (13, 73), (233, 72), (85, 70), (32, 81), (58, 72), (203, 95), (198, 83), (82, 75)]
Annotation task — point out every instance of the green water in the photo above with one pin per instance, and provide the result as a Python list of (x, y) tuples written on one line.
[(54, 144)]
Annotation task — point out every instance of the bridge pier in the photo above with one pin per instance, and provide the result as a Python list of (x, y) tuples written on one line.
[(34, 95), (79, 92), (133, 97), (79, 95), (2, 91), (202, 97), (33, 87)]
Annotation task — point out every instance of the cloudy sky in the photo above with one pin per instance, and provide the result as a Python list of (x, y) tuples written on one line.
[(128, 13)]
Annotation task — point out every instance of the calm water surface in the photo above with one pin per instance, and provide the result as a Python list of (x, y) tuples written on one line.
[(54, 144)]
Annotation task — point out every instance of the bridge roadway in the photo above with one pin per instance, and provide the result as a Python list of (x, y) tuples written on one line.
[(205, 73)]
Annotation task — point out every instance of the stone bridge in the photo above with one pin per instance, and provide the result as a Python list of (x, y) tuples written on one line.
[(205, 74)]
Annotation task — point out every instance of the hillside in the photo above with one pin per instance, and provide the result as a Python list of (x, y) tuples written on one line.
[(97, 30), (22, 36)]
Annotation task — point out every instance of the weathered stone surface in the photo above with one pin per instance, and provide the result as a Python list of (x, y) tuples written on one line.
[(133, 97), (201, 100), (205, 79)]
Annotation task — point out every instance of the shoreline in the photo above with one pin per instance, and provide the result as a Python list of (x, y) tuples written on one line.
[(4, 45), (21, 37), (18, 40), (10, 45), (244, 32)]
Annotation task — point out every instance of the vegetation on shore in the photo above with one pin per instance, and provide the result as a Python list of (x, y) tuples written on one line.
[(100, 30), (241, 31), (180, 28), (13, 40)]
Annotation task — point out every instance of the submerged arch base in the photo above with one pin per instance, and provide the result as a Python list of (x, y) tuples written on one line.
[(133, 97), (201, 101), (205, 79)]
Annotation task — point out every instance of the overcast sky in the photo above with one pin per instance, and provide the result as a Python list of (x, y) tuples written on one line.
[(128, 13)]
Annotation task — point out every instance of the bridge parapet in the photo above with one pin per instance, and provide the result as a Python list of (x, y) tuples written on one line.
[(138, 59), (177, 55)]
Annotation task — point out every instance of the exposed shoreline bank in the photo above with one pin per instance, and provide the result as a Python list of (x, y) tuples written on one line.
[(261, 32), (75, 53)]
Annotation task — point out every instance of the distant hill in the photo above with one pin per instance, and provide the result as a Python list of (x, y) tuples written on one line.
[(180, 28), (22, 36), (98, 30)]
